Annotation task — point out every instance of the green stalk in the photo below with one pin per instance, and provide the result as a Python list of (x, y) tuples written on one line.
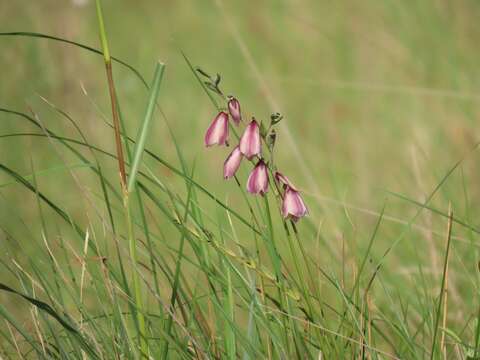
[(176, 281), (228, 302), (103, 33), (442, 288), (132, 246), (137, 158), (113, 97), (276, 262)]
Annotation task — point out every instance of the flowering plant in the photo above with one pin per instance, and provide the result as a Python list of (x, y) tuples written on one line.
[(250, 147)]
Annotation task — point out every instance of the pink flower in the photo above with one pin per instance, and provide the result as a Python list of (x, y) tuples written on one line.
[(217, 133), (257, 182), (293, 206), (234, 110), (282, 179), (232, 163), (250, 141)]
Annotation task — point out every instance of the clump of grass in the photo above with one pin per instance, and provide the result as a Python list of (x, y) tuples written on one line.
[(152, 270)]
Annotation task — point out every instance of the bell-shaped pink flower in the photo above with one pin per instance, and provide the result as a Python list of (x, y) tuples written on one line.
[(257, 182), (293, 206), (217, 133), (283, 180), (250, 141), (232, 163), (234, 110)]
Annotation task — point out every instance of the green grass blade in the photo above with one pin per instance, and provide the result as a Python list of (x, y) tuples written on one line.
[(49, 310), (145, 126), (103, 34), (442, 288), (35, 35)]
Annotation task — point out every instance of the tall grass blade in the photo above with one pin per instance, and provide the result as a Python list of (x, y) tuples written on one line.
[(442, 288), (113, 96), (145, 126)]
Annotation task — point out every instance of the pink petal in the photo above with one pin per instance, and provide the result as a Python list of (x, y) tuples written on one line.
[(293, 205), (234, 110), (257, 182), (217, 133), (250, 144), (232, 163)]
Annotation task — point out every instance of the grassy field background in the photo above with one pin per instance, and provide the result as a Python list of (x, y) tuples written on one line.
[(380, 100)]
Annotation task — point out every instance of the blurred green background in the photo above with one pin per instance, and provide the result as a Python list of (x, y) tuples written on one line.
[(378, 96)]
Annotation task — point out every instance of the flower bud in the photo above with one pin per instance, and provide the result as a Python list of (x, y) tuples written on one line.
[(257, 182), (232, 163), (234, 110), (250, 144), (283, 180), (217, 133), (275, 118)]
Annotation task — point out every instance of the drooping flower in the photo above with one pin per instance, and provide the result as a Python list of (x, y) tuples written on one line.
[(283, 180), (234, 110), (250, 144), (217, 133), (293, 206), (232, 163), (257, 182)]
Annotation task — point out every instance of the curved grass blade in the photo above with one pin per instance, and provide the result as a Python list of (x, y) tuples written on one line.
[(49, 310), (435, 211), (74, 43)]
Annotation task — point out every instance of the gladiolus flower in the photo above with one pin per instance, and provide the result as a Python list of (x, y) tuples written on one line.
[(232, 163), (250, 141), (283, 180), (234, 110), (217, 133), (293, 206), (257, 182)]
